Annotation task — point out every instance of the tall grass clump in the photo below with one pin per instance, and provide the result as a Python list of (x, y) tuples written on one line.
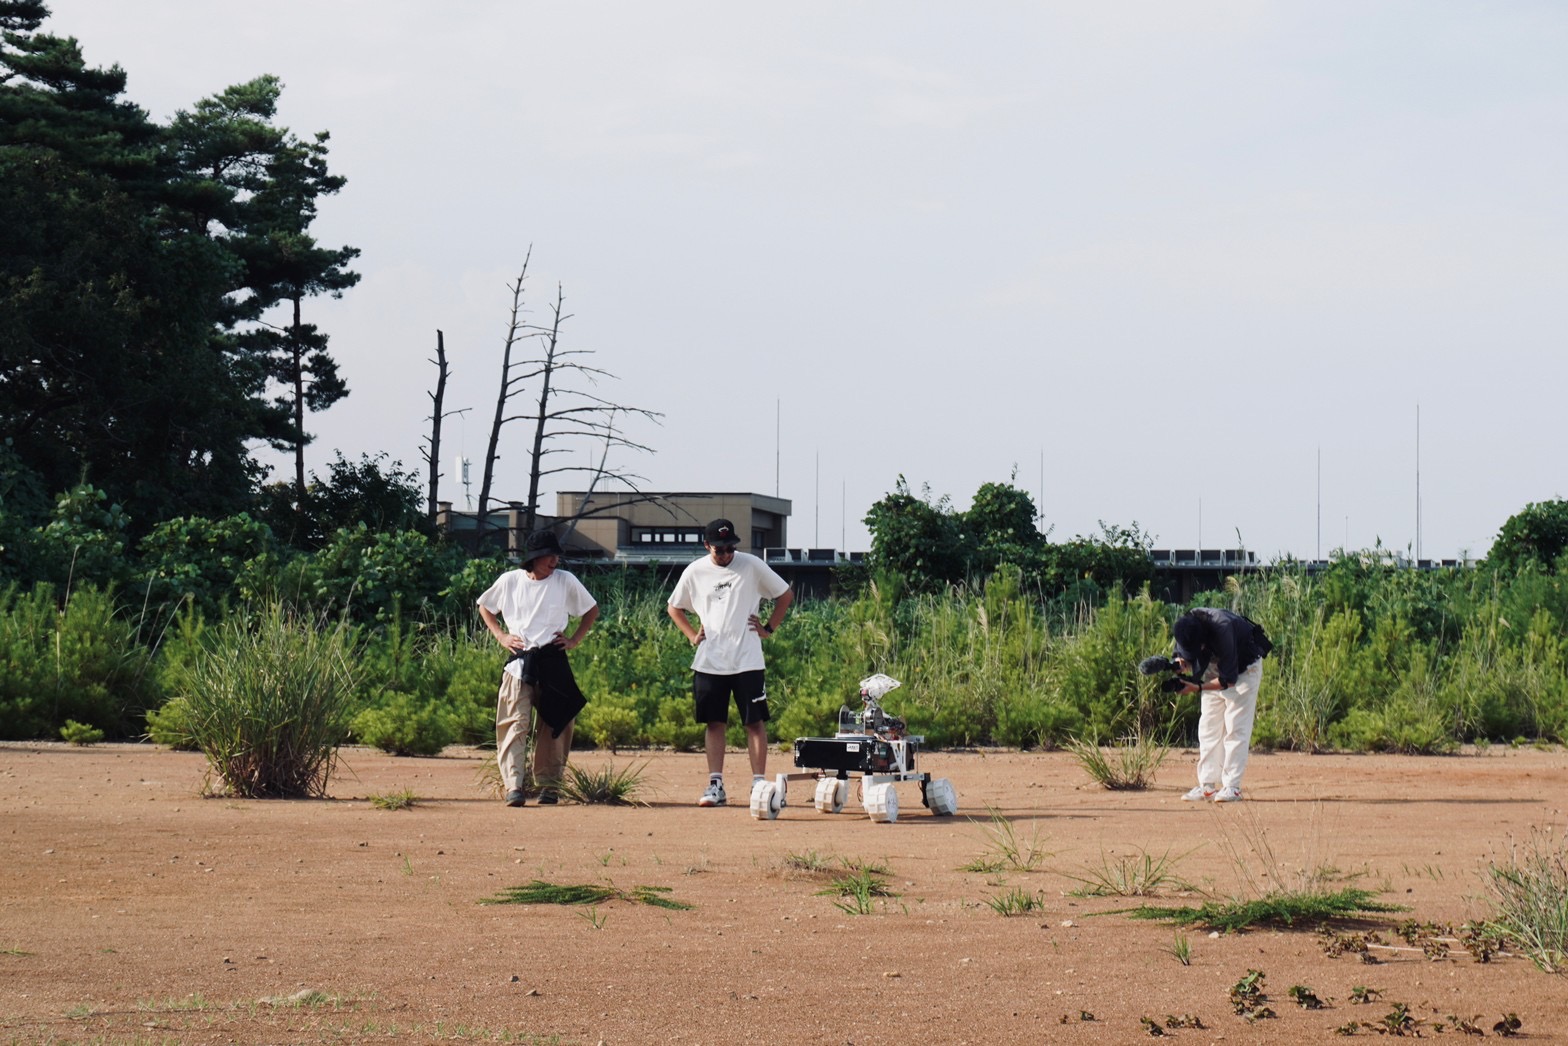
[(1528, 890), (268, 698), (1129, 766)]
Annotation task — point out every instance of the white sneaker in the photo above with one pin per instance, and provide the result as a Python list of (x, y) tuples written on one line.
[(714, 796), (1230, 794), (1199, 794)]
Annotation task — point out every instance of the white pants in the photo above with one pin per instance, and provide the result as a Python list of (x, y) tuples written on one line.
[(1225, 729)]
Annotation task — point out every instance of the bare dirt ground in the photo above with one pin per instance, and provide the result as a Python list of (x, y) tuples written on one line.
[(133, 910)]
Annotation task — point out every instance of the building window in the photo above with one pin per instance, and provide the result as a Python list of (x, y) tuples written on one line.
[(666, 536)]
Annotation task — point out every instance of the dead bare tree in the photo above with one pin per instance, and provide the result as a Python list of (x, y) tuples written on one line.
[(564, 412), (586, 509), (515, 330), (432, 454)]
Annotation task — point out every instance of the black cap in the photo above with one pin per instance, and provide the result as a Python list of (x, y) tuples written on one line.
[(720, 532), (540, 543)]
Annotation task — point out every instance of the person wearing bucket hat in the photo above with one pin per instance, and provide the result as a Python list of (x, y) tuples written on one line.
[(536, 602), (725, 589), (1225, 651)]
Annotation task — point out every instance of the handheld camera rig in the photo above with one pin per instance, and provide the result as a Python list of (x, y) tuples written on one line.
[(1154, 665), (869, 742)]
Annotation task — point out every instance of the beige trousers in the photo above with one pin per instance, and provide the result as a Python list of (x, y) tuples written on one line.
[(514, 721)]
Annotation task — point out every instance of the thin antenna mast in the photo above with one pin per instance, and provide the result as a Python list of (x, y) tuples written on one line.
[(1320, 503), (778, 414), (1418, 482), (1039, 508)]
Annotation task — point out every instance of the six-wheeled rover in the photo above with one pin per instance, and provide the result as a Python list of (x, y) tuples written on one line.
[(870, 743)]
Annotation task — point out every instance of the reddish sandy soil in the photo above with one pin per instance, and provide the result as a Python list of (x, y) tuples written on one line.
[(133, 910)]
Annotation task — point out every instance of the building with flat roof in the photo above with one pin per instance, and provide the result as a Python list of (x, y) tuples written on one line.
[(624, 525)]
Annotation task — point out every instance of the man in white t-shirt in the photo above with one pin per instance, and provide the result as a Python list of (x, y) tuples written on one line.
[(725, 589), (536, 604)]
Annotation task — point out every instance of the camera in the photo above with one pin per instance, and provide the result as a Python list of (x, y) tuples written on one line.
[(1154, 665)]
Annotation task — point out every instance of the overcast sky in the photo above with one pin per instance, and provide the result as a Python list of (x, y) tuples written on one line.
[(1151, 261)]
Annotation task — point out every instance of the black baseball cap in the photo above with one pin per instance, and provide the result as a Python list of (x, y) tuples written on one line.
[(720, 532)]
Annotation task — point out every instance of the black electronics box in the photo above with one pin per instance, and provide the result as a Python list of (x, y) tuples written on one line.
[(863, 754)]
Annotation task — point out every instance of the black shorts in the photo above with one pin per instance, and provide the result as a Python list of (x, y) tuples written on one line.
[(713, 696)]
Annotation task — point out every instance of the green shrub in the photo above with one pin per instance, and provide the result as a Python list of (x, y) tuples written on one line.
[(199, 560), (814, 715), (1034, 719), (83, 542), (375, 576), (84, 662), (270, 695), (171, 725), (675, 726), (473, 680), (403, 724), (80, 733), (611, 721)]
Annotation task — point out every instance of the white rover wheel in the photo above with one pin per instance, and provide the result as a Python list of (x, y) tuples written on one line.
[(831, 793), (765, 801), (881, 803), (941, 798)]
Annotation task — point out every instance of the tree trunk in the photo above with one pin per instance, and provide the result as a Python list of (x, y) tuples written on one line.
[(512, 332), (297, 350), (435, 424), (536, 459)]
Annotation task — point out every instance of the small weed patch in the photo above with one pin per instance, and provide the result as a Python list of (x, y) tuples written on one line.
[(811, 863), (1005, 847), (403, 800), (540, 892), (1140, 875), (1280, 909), (857, 892), (1248, 999), (1016, 902)]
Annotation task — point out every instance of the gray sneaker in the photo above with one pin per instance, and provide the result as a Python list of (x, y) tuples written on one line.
[(516, 797), (714, 796)]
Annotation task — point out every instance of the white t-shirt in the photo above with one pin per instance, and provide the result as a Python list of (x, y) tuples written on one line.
[(724, 598), (536, 610)]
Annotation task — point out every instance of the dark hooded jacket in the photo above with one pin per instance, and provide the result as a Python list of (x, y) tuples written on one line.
[(1231, 641), (560, 699)]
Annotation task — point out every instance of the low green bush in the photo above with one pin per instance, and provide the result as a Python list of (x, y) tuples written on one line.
[(85, 661), (171, 725), (403, 724), (611, 721), (80, 733)]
